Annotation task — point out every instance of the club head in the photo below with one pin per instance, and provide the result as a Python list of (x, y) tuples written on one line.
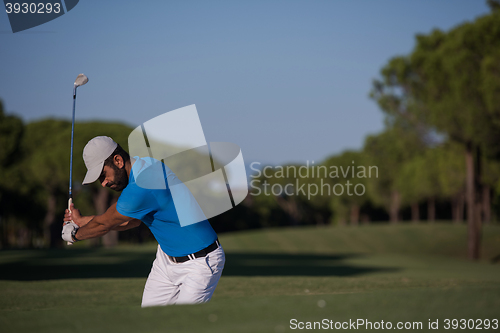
[(81, 79)]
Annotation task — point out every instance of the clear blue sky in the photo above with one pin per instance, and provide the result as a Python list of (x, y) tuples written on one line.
[(288, 81)]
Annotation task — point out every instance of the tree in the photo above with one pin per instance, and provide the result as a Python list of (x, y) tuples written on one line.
[(389, 151), (12, 185), (45, 164), (408, 135), (450, 167), (437, 174), (46, 149), (416, 183), (351, 172), (450, 84), (458, 81), (490, 177)]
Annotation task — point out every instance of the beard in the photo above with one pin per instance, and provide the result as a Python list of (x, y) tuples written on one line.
[(120, 181)]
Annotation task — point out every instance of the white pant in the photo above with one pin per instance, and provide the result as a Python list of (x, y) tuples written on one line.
[(189, 282)]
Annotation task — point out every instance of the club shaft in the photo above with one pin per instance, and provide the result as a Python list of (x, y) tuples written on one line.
[(71, 153)]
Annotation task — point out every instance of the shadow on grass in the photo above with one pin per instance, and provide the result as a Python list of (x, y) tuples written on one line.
[(100, 263), (32, 265), (283, 264)]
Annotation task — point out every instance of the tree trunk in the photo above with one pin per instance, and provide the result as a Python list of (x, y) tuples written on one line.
[(49, 220), (457, 206), (365, 219), (473, 227), (100, 199), (101, 204), (354, 214), (461, 208), (319, 219), (454, 209), (4, 233), (486, 204), (394, 208), (415, 214), (110, 239), (24, 236), (431, 210)]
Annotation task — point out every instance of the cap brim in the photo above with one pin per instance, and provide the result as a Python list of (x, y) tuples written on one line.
[(93, 174)]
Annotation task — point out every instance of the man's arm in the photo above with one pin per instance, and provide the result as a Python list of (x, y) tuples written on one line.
[(128, 225), (100, 225), (83, 220)]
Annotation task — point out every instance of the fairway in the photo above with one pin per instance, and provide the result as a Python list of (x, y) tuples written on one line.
[(403, 273)]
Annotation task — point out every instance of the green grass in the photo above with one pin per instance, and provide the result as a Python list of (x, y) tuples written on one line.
[(391, 273)]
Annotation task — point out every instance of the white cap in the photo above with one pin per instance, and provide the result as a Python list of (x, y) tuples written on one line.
[(95, 153)]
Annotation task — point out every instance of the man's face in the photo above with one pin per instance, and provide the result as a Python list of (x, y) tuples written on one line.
[(114, 177)]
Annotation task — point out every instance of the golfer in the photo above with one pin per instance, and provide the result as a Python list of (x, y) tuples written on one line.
[(189, 259)]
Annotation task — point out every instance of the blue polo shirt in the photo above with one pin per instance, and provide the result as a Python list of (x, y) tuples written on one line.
[(155, 207)]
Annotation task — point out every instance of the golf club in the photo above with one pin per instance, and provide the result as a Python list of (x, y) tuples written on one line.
[(81, 79)]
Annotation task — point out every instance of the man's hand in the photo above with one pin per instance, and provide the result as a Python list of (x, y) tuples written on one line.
[(68, 231), (75, 217)]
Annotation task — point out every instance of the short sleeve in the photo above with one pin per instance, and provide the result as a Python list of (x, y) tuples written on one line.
[(136, 202)]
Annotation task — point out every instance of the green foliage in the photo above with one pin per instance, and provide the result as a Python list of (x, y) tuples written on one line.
[(11, 130), (457, 79), (437, 173), (450, 168), (45, 149), (35, 172), (352, 167), (493, 4), (46, 154), (490, 85), (447, 92), (389, 151)]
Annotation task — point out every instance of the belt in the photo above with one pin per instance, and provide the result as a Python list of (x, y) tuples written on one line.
[(200, 254)]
